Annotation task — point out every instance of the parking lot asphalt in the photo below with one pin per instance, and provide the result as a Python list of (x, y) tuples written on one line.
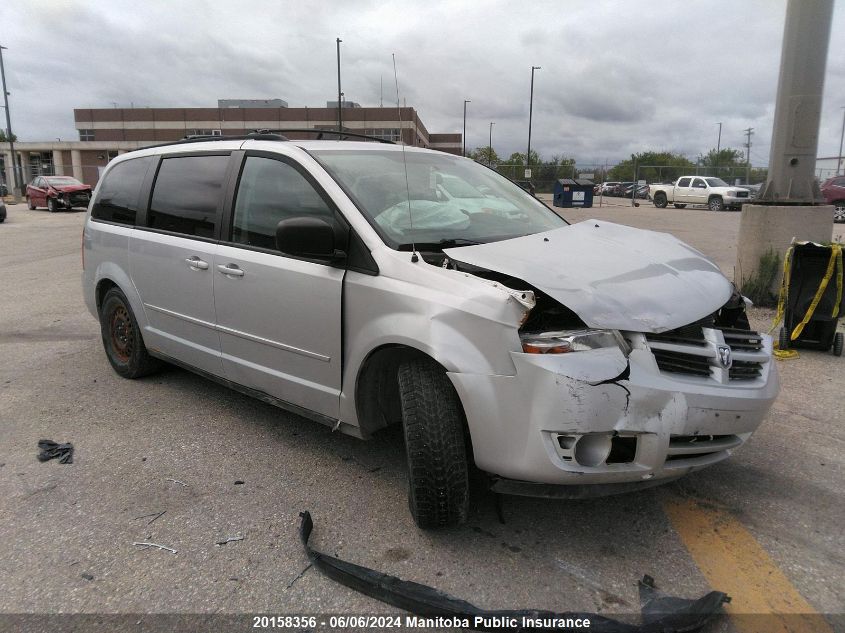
[(765, 525)]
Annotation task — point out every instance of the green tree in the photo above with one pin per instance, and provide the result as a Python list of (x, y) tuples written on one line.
[(652, 167), (514, 166), (727, 163), (485, 155), (4, 138)]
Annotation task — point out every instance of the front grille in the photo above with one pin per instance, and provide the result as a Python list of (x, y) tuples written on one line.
[(78, 198), (692, 446), (692, 350)]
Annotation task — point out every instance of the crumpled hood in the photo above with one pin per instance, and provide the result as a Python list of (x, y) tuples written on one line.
[(71, 188), (610, 275)]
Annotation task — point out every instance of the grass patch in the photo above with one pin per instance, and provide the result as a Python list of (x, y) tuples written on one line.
[(758, 287)]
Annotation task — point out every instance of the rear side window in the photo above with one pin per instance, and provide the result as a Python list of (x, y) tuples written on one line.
[(271, 191), (186, 195), (683, 182), (119, 192)]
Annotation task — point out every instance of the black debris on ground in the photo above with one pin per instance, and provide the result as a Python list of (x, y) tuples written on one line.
[(48, 449)]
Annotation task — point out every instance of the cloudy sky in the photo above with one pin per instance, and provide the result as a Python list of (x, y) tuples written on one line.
[(617, 76)]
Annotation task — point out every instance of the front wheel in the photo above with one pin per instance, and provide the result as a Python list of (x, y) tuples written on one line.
[(680, 206), (433, 424), (660, 200), (52, 205), (716, 204), (837, 344), (122, 339)]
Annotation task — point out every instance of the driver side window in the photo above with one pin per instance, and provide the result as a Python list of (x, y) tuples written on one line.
[(271, 191), (698, 183)]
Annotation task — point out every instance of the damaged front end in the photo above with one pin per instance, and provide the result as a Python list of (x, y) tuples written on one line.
[(614, 409)]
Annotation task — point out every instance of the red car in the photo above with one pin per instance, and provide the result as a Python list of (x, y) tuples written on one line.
[(57, 192), (833, 190)]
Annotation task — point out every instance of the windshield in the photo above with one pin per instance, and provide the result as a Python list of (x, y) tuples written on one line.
[(716, 182), (447, 200), (62, 180)]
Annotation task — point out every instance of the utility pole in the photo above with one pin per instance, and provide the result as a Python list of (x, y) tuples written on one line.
[(16, 175), (490, 146), (339, 93), (464, 136), (841, 136), (748, 132), (530, 113), (718, 148)]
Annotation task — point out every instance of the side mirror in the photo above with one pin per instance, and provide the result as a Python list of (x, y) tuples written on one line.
[(308, 237)]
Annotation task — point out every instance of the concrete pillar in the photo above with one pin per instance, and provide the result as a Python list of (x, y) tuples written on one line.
[(121, 151), (9, 177), (768, 227), (76, 164), (58, 165), (26, 173)]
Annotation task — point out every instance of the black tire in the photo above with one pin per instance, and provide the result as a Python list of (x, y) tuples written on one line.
[(660, 200), (839, 211), (29, 204), (716, 204), (52, 205), (433, 423), (783, 339), (837, 344), (122, 339), (680, 206)]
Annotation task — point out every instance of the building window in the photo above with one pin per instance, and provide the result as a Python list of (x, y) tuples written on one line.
[(203, 132), (86, 135), (111, 155), (387, 134)]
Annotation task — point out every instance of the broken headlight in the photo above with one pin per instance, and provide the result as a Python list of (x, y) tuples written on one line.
[(563, 342)]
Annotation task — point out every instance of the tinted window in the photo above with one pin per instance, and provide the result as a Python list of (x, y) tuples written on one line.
[(269, 192), (119, 192), (683, 182), (699, 183), (186, 194)]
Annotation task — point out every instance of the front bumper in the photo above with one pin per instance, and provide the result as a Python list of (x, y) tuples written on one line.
[(670, 424), (730, 201)]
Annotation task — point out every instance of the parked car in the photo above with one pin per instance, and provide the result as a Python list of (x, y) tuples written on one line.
[(2, 211), (57, 192), (833, 190), (714, 192), (331, 279), (607, 188), (4, 191)]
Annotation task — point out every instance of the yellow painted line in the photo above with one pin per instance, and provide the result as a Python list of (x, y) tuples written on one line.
[(733, 561)]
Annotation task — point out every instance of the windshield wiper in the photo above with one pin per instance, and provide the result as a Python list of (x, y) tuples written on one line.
[(444, 243)]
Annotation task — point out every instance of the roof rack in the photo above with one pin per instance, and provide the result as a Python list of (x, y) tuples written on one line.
[(320, 134), (258, 135)]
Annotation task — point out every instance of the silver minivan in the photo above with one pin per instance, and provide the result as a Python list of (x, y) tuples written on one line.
[(368, 284)]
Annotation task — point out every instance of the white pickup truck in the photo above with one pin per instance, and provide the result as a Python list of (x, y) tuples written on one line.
[(714, 192)]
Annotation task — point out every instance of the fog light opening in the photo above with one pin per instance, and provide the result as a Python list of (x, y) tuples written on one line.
[(592, 450)]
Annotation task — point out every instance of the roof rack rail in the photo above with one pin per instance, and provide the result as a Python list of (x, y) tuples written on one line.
[(320, 133), (259, 135)]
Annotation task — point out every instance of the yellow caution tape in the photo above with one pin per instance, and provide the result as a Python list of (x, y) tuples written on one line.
[(834, 262)]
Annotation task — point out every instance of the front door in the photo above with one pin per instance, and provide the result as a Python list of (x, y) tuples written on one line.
[(698, 192), (279, 317)]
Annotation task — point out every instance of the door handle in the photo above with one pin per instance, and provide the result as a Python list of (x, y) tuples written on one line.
[(196, 263), (230, 270)]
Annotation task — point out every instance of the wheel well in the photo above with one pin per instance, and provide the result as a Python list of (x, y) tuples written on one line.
[(377, 387), (715, 195), (103, 286)]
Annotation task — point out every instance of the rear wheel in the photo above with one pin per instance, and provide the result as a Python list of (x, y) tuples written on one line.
[(52, 205), (433, 424), (715, 204), (122, 339), (837, 344), (660, 200), (30, 204), (680, 206)]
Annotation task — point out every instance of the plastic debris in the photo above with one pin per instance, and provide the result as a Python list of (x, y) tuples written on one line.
[(48, 449)]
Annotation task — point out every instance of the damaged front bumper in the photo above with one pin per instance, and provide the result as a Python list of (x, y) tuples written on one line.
[(599, 418)]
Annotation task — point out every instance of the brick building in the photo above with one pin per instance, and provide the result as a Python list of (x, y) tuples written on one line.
[(106, 132)]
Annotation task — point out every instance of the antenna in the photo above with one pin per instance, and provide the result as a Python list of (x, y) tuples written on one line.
[(414, 256)]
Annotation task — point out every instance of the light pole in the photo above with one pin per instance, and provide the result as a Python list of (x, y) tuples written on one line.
[(718, 147), (490, 146), (339, 105), (530, 113), (464, 137), (841, 136), (16, 176)]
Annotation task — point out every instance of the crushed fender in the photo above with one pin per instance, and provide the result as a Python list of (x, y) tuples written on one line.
[(660, 613), (48, 449)]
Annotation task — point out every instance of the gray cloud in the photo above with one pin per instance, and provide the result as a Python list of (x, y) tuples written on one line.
[(616, 78)]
